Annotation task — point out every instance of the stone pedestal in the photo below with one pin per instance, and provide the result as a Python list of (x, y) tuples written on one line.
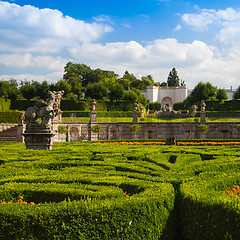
[(202, 117), (38, 137), (93, 116), (92, 136), (135, 117), (20, 130)]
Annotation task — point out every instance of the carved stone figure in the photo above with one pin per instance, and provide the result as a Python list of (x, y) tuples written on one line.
[(21, 119), (194, 112), (45, 110), (203, 106), (93, 104), (135, 106)]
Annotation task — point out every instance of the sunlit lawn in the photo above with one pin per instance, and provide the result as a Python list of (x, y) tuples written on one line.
[(146, 119)]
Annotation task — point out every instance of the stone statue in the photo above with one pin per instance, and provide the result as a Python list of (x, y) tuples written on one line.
[(46, 110), (93, 104), (203, 106), (142, 113), (194, 112), (21, 119), (135, 106), (58, 98)]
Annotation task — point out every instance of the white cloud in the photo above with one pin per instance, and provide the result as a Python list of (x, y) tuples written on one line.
[(200, 21), (35, 39), (51, 77), (178, 27), (194, 61), (43, 30), (27, 60)]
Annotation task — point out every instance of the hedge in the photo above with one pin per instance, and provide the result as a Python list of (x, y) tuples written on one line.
[(206, 212), (9, 116), (91, 218), (4, 104), (83, 105), (227, 105)]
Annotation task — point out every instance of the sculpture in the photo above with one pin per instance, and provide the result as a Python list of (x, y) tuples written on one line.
[(135, 106), (203, 106), (45, 110), (93, 104)]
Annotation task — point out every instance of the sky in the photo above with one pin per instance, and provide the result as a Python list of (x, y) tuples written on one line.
[(201, 39)]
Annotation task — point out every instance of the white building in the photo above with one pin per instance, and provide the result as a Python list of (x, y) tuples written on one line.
[(167, 96)]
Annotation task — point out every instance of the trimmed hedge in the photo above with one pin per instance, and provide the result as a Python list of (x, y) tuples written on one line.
[(9, 116), (206, 212), (4, 104), (91, 218), (227, 105), (101, 191), (72, 105)]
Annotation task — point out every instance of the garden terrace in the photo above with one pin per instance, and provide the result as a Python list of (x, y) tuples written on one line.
[(119, 190)]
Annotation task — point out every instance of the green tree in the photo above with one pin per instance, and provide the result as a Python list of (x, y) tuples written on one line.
[(63, 85), (173, 79), (96, 91), (203, 91), (131, 96), (236, 95), (28, 90), (116, 92), (41, 89), (9, 89), (221, 94)]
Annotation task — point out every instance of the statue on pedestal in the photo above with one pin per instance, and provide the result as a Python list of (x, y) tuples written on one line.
[(46, 110), (39, 135)]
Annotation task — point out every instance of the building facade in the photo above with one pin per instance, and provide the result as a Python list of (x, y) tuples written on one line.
[(167, 96)]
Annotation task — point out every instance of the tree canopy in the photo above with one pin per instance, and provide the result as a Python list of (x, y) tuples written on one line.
[(221, 94), (203, 91), (173, 79)]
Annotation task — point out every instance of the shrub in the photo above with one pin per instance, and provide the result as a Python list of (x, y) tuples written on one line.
[(155, 106), (204, 128), (9, 116), (178, 106), (135, 128), (197, 120), (62, 129), (96, 128)]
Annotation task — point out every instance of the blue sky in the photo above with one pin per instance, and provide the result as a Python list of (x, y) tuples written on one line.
[(200, 38)]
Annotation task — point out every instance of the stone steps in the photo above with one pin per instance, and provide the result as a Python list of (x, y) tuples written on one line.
[(9, 135)]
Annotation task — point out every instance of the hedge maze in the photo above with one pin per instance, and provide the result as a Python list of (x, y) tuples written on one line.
[(86, 190)]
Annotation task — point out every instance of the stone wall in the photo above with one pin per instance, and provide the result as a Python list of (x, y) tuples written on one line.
[(110, 131)]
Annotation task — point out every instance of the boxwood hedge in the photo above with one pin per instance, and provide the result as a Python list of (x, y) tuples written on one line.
[(86, 190)]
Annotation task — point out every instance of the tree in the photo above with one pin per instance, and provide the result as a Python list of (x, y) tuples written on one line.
[(173, 79), (41, 89), (9, 89), (203, 91), (63, 85), (131, 96), (221, 95), (28, 90), (96, 91), (236, 95), (116, 92)]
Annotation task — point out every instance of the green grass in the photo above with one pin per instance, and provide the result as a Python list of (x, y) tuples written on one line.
[(147, 119)]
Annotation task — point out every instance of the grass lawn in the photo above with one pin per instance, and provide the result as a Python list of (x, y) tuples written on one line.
[(147, 119)]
